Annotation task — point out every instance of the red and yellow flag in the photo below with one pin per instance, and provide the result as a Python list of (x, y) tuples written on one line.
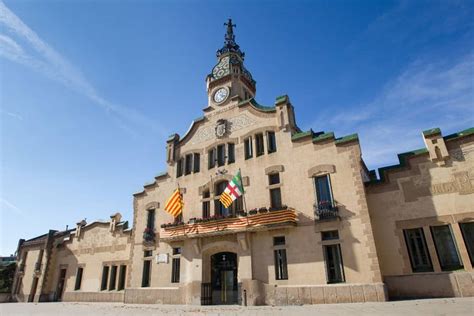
[(174, 205)]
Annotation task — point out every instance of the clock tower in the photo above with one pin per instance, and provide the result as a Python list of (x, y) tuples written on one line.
[(229, 79)]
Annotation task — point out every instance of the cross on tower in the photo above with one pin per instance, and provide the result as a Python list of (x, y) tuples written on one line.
[(230, 31)]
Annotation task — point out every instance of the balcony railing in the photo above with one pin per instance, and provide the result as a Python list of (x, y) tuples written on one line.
[(326, 210), (149, 235), (228, 225)]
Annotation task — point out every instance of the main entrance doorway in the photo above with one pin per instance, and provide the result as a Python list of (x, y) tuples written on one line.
[(224, 278)]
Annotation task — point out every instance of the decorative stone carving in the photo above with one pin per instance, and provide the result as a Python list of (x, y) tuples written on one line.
[(462, 183), (221, 128), (233, 124)]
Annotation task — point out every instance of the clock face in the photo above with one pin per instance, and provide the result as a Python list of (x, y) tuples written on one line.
[(220, 95)]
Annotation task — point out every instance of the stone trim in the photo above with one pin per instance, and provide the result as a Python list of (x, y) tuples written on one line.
[(321, 170), (152, 205), (274, 169)]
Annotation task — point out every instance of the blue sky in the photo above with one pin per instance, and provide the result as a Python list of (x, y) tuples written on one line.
[(90, 90)]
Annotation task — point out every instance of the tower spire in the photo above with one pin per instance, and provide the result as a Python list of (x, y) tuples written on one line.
[(229, 41)]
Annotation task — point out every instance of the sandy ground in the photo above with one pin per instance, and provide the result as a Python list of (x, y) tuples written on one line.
[(449, 306)]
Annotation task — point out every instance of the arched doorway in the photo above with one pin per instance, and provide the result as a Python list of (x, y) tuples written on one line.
[(224, 278)]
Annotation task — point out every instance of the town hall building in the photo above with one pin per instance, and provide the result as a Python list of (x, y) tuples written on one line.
[(314, 225)]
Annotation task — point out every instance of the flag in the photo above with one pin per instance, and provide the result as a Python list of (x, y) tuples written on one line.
[(174, 205), (233, 190)]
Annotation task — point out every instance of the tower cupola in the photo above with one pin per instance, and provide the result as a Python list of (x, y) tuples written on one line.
[(229, 78)]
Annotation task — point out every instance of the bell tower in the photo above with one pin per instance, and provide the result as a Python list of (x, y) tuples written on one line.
[(229, 79)]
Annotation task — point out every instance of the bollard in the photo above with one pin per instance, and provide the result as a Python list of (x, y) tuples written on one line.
[(245, 297)]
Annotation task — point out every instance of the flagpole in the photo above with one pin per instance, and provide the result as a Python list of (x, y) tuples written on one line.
[(243, 196), (182, 207)]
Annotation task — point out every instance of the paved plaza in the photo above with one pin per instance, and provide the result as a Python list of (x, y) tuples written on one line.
[(447, 306)]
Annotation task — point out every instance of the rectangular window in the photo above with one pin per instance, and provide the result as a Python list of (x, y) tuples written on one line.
[(175, 270), (122, 277), (206, 209), (419, 257), (275, 198), (150, 221), (146, 273), (197, 163), (188, 164), (446, 248), (221, 155), (274, 178), (259, 147), (279, 240), (334, 266), (179, 168), (323, 190), (105, 278), (467, 230), (271, 142), (77, 286), (230, 153), (248, 148), (147, 253), (330, 235), (177, 251), (281, 266), (211, 155), (113, 278)]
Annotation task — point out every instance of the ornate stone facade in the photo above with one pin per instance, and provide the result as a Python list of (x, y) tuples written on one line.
[(314, 226)]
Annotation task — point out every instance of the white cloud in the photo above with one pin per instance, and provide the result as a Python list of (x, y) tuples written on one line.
[(424, 95), (8, 206), (51, 64)]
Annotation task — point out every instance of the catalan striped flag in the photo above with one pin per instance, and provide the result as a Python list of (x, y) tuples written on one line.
[(233, 190), (174, 205)]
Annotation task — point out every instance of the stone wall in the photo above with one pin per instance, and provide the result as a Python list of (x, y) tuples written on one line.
[(429, 285), (93, 297)]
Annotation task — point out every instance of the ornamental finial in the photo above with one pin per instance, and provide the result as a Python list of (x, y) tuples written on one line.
[(230, 31), (229, 41)]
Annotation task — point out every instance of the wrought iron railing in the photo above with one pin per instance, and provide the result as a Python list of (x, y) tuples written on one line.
[(206, 294), (326, 210)]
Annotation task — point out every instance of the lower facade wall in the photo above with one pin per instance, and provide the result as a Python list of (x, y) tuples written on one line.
[(93, 297), (154, 296), (325, 294), (4, 297), (430, 285)]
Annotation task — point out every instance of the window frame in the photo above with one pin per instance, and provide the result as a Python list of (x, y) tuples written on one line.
[(271, 142), (188, 164), (338, 263), (105, 278), (221, 157), (259, 145), (429, 265), (248, 148), (455, 249), (230, 153), (146, 281), (281, 266), (196, 162), (211, 158), (113, 278), (122, 277), (79, 274), (468, 243)]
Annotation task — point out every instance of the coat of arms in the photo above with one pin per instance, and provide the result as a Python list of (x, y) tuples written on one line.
[(221, 128)]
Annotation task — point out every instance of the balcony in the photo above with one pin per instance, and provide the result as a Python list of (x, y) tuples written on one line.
[(326, 211), (228, 225)]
